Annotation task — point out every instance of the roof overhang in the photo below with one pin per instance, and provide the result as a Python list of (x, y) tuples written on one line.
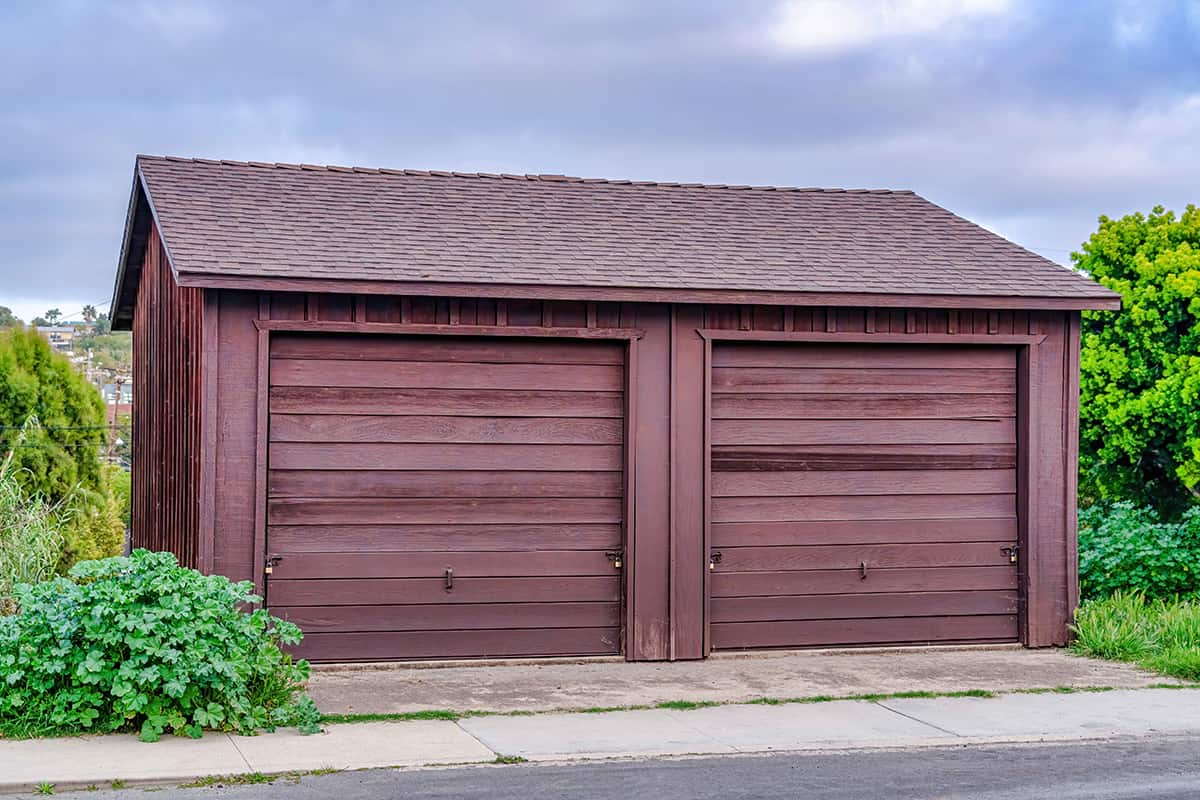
[(647, 295)]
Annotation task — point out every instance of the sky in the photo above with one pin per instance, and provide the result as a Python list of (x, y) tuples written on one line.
[(1030, 117)]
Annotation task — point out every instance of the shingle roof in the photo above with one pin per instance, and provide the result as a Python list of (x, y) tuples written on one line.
[(238, 219)]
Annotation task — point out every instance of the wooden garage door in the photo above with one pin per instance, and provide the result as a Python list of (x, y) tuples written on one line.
[(862, 494), (446, 497)]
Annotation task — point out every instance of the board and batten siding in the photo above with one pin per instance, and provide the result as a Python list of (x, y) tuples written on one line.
[(666, 386), (167, 340)]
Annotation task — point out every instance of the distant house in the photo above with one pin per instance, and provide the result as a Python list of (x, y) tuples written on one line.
[(119, 395), (61, 337), (447, 415)]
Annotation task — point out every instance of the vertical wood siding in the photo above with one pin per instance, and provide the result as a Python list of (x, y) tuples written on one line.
[(667, 555), (167, 329)]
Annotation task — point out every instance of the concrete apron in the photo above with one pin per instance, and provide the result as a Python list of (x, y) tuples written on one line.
[(567, 684), (734, 729)]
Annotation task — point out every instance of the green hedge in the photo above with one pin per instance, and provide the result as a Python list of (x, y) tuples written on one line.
[(1124, 548), (140, 643)]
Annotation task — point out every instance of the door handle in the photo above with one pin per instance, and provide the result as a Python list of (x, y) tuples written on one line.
[(449, 579), (862, 570)]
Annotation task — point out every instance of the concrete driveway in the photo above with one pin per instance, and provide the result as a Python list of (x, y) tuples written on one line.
[(604, 683)]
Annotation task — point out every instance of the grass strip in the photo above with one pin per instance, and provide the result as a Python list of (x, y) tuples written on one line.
[(1159, 635)]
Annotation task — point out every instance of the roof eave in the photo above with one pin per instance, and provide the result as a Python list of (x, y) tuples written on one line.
[(1108, 301), (140, 217)]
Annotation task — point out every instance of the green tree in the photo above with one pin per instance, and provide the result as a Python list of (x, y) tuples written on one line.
[(60, 458), (1140, 382), (7, 318), (89, 314), (53, 316)]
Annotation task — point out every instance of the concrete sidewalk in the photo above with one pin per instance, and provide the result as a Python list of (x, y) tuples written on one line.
[(571, 684), (846, 724)]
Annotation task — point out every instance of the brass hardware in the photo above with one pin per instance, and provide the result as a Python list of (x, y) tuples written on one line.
[(714, 558), (862, 566), (1011, 552), (615, 556), (272, 560), (449, 579)]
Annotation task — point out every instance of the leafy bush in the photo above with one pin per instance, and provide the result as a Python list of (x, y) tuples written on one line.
[(30, 543), (1161, 635), (140, 643), (1126, 548)]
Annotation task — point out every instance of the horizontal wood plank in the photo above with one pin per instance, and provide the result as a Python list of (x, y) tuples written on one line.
[(354, 347), (854, 507), (377, 456), (465, 564), (849, 581), (402, 645), (798, 458), (906, 630), (499, 429), (826, 532), (450, 402), (862, 606), (862, 380), (329, 483), (340, 537), (770, 484), (861, 431), (442, 510), (405, 591), (863, 406), (444, 375), (463, 617), (875, 556), (785, 354)]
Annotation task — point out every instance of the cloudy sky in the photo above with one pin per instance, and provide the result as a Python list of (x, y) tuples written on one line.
[(1031, 117)]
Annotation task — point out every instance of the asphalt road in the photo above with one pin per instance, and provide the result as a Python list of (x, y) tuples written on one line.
[(1164, 769)]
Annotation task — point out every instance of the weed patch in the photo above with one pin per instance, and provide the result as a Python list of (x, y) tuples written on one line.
[(1159, 635)]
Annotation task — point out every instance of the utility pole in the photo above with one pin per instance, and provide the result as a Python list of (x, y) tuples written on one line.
[(112, 435)]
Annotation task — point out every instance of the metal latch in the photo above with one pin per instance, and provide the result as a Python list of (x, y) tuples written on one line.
[(714, 558), (1011, 552), (272, 560), (616, 557)]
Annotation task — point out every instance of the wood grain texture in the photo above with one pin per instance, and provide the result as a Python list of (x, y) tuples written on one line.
[(875, 515), (409, 645), (424, 487)]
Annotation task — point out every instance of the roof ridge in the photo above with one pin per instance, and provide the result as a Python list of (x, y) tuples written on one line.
[(538, 177)]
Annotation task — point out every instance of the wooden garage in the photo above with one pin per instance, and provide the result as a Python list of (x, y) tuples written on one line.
[(456, 415)]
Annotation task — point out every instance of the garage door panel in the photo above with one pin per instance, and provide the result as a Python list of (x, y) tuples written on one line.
[(377, 456), (883, 531), (854, 507), (849, 581), (908, 630), (467, 616), (406, 510), (464, 563), (862, 431), (425, 538), (875, 556), (774, 356), (443, 429), (775, 484), (862, 406), (440, 497), (424, 591), (445, 375), (792, 458), (443, 483), (862, 381), (451, 402), (398, 645), (862, 494), (439, 349), (866, 606)]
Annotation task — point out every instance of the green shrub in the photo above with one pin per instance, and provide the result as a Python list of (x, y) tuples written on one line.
[(1126, 548), (140, 643), (30, 543), (1161, 635)]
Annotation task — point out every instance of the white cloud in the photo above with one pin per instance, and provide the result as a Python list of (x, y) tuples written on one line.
[(824, 26), (178, 21)]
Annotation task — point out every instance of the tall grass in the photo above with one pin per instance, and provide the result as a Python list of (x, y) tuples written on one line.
[(1161, 635), (31, 544)]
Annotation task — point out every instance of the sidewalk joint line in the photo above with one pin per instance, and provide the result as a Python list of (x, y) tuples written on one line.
[(881, 704), (482, 743), (241, 755)]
